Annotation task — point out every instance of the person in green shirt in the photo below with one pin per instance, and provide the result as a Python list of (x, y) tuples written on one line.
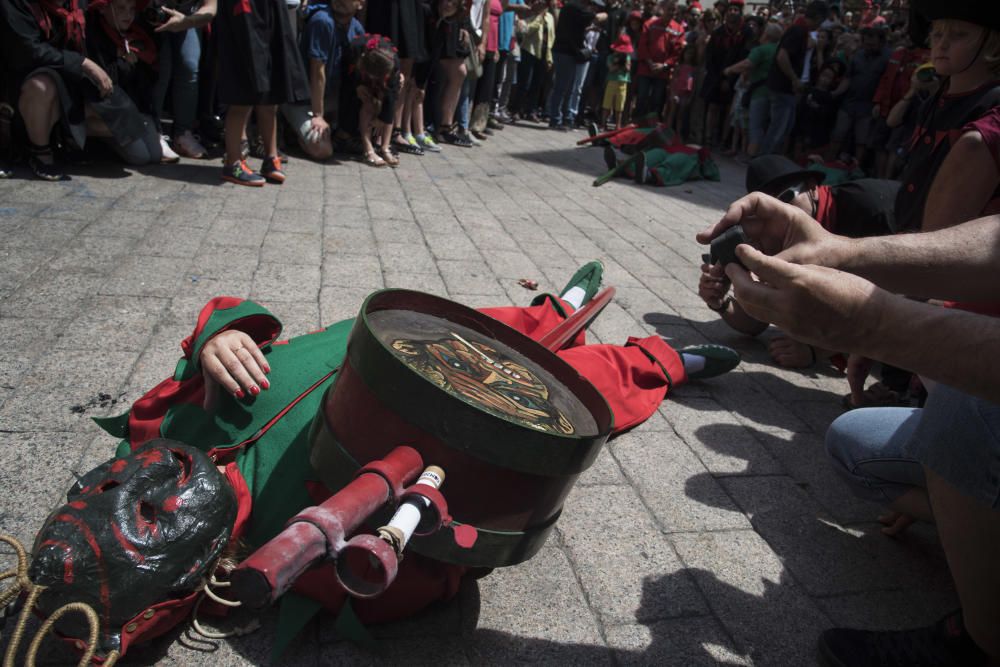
[(756, 67), (616, 86)]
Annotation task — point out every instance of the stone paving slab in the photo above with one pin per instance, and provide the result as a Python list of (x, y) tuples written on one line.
[(714, 533)]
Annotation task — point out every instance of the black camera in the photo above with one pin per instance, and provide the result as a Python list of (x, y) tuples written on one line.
[(153, 14), (723, 249)]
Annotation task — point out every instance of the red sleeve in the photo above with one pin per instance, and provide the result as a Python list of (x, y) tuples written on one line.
[(642, 53), (883, 94), (989, 128)]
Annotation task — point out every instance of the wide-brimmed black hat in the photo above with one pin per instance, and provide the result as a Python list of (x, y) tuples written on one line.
[(771, 174), (986, 14)]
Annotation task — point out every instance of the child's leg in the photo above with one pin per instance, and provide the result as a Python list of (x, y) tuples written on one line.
[(406, 69), (235, 130), (267, 126), (417, 124), (365, 117)]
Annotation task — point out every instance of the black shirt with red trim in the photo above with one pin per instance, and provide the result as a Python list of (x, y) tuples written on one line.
[(940, 123)]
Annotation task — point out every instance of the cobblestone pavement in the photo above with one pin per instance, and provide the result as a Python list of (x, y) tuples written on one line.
[(716, 532)]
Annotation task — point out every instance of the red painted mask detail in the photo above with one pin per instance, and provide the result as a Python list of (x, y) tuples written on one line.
[(166, 507)]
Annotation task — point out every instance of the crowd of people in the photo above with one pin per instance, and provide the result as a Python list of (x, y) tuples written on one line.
[(159, 79)]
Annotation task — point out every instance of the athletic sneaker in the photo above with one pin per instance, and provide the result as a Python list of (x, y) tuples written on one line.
[(455, 138), (470, 137), (187, 145), (427, 143), (270, 169), (168, 156), (241, 174), (944, 643)]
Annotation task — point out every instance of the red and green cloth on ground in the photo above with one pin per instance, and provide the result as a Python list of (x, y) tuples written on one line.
[(267, 436), (669, 161)]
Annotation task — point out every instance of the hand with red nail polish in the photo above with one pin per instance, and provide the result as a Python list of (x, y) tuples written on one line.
[(232, 360)]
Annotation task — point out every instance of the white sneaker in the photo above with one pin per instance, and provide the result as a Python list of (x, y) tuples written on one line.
[(188, 146), (169, 156)]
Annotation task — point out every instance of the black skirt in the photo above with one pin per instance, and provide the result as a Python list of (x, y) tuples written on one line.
[(445, 39), (402, 21), (258, 59)]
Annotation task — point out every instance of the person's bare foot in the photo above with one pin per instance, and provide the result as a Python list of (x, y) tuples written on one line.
[(789, 353)]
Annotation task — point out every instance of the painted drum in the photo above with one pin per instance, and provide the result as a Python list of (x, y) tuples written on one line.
[(512, 425)]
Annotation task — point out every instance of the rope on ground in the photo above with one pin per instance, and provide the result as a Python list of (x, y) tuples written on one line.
[(22, 583)]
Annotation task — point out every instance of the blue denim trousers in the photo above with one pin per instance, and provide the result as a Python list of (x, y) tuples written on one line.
[(567, 84), (760, 114), (881, 452), (179, 53), (464, 112), (782, 116)]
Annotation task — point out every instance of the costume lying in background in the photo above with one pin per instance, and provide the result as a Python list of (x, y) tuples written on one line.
[(263, 442), (658, 158)]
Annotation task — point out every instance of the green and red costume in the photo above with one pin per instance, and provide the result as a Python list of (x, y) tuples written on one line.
[(264, 439), (669, 161)]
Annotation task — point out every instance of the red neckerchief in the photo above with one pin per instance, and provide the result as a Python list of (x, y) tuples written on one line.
[(826, 208), (70, 15), (135, 41)]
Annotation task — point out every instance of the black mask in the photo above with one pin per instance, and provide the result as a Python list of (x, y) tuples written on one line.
[(134, 531)]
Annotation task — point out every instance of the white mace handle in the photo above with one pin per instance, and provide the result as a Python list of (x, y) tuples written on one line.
[(406, 519)]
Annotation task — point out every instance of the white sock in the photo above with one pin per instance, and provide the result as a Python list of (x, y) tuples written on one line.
[(692, 362), (575, 296)]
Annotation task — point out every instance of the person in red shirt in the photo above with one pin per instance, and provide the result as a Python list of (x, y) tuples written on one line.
[(893, 86), (660, 48)]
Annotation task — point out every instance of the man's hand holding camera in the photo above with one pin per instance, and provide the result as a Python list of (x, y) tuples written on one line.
[(787, 281)]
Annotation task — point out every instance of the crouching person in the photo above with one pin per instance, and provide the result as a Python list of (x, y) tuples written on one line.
[(330, 26)]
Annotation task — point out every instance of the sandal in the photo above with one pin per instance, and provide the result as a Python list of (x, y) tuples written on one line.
[(389, 157), (403, 145), (372, 159), (42, 162), (450, 135)]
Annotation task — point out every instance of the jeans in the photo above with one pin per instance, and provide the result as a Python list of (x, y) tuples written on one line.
[(506, 80), (760, 112), (782, 112), (567, 84), (530, 79), (882, 452), (464, 112), (179, 55), (869, 449)]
